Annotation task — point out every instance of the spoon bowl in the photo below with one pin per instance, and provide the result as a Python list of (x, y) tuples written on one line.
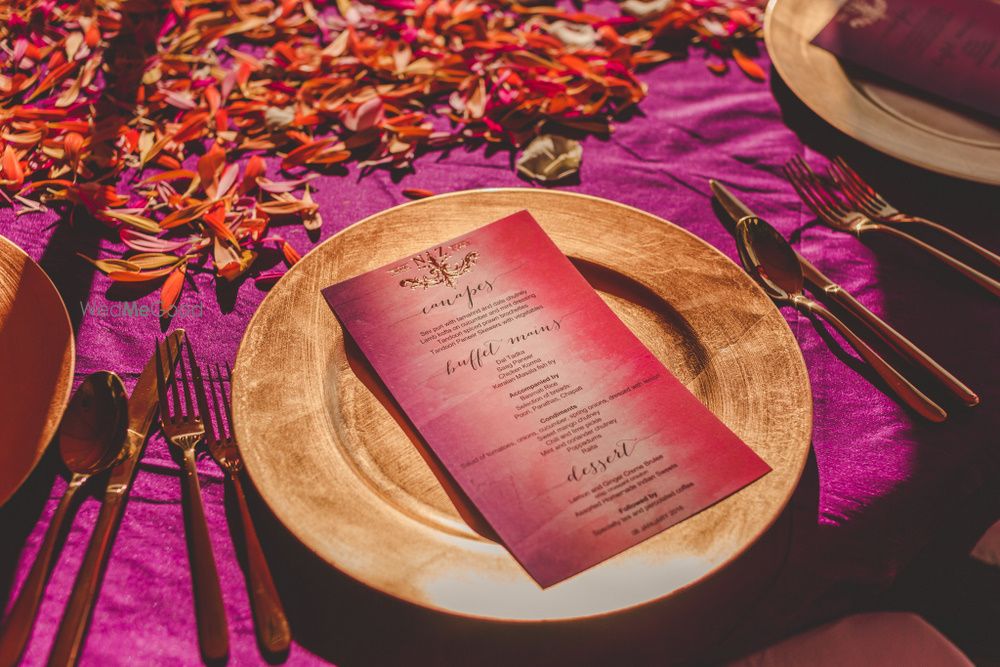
[(771, 261), (93, 430), (769, 258), (91, 439)]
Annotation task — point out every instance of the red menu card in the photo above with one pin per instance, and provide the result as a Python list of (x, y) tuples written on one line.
[(572, 440), (950, 48)]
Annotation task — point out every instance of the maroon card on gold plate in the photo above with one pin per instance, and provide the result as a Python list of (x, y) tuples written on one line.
[(567, 433)]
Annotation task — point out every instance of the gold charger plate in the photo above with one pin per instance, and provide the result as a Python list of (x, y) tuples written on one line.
[(328, 455), (906, 126), (36, 365)]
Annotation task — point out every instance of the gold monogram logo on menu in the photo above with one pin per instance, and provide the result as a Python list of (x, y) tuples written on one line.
[(437, 267)]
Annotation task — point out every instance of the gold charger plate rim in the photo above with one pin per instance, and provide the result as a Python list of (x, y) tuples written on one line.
[(64, 382), (287, 516), (868, 121)]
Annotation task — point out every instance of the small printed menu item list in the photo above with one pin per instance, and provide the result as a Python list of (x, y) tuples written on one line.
[(573, 441)]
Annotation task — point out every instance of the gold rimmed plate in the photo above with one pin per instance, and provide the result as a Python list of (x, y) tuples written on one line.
[(36, 365), (339, 466), (892, 119)]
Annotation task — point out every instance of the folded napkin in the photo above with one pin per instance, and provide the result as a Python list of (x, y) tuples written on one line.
[(950, 48), (987, 549), (882, 639)]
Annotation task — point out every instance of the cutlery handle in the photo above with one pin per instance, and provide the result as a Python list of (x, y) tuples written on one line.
[(213, 632), (988, 255), (981, 279), (69, 638), (903, 388), (269, 616), (16, 628), (903, 345)]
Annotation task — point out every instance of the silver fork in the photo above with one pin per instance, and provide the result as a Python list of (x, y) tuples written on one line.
[(864, 196), (184, 428), (833, 210), (273, 632)]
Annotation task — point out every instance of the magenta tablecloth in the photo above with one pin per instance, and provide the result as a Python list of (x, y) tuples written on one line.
[(879, 487)]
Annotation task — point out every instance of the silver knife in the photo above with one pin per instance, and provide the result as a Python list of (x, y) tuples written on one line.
[(737, 210), (142, 407)]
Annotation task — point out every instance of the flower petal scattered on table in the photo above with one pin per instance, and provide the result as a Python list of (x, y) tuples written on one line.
[(549, 158)]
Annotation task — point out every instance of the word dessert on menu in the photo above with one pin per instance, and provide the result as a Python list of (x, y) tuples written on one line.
[(572, 440)]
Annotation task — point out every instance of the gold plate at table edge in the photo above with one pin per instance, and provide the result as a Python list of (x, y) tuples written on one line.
[(311, 432), (819, 80), (14, 257)]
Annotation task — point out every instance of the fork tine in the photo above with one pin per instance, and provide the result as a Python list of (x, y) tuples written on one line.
[(819, 188), (185, 382), (800, 169), (806, 194), (839, 176), (856, 195), (848, 174), (172, 385), (199, 393), (213, 381), (225, 396), (836, 203), (846, 169), (860, 182), (161, 385)]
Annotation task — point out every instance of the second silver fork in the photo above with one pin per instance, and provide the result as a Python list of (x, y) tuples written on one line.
[(184, 428), (866, 198), (273, 631), (833, 210)]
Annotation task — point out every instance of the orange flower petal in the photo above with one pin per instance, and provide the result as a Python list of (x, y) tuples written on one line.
[(138, 276), (13, 172), (216, 219), (291, 254), (173, 175), (749, 67), (185, 215), (171, 289)]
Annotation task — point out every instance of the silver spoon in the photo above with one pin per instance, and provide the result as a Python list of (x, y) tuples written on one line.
[(91, 438), (771, 261)]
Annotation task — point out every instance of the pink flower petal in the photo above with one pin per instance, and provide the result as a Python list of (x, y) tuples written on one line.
[(146, 243), (227, 179), (275, 187), (366, 115)]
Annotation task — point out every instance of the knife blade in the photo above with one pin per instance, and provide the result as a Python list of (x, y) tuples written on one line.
[(737, 210), (142, 408)]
